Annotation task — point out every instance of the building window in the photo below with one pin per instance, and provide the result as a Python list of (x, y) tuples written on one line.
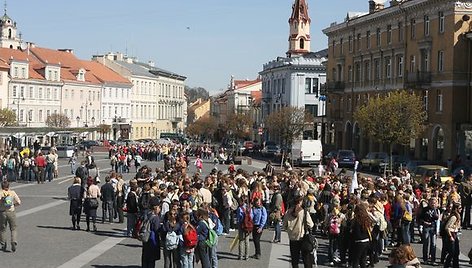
[(357, 75), (49, 75), (14, 92), (426, 25), (31, 93), (378, 37), (23, 72), (412, 63), (388, 67), (359, 42), (439, 101), (413, 28), (283, 85), (40, 93), (400, 66), (367, 71), (389, 34), (66, 94), (426, 101), (368, 39), (441, 21), (341, 49), (440, 61), (72, 94), (48, 93), (350, 43), (15, 72), (40, 115), (377, 69), (22, 92), (312, 109), (349, 73), (400, 32)]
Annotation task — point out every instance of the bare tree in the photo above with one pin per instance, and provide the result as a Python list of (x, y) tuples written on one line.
[(58, 120), (287, 124)]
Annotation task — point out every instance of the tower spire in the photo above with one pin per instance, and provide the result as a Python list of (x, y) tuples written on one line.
[(299, 38), (5, 7)]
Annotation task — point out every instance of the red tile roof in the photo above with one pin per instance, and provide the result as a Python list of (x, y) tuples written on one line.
[(256, 96), (105, 74), (8, 54), (239, 84)]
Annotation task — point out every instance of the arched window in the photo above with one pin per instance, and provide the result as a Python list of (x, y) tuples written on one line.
[(302, 44), (9, 33)]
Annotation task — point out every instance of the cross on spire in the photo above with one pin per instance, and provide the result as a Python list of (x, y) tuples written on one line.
[(5, 7)]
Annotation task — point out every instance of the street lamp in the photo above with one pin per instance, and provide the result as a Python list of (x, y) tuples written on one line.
[(78, 120), (85, 106), (93, 120), (131, 129), (18, 107)]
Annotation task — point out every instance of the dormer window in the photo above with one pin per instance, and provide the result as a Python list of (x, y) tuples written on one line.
[(81, 75)]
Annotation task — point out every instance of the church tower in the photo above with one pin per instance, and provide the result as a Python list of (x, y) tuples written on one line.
[(299, 39), (9, 37)]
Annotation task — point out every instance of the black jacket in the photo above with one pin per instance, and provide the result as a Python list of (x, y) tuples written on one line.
[(108, 193)]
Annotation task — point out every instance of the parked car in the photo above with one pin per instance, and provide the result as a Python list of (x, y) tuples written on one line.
[(87, 144), (412, 164), (271, 150), (249, 146), (346, 158), (373, 160), (423, 173), (327, 157)]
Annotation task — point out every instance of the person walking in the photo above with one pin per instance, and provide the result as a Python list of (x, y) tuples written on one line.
[(73, 163), (243, 234), (276, 211), (452, 240), (75, 194), (151, 250), (82, 173), (50, 160), (91, 203), (9, 200), (40, 162), (259, 218), (428, 219), (294, 222), (108, 197)]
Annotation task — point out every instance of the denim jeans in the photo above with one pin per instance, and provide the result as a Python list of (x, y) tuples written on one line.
[(131, 222), (214, 255), (49, 171), (429, 243), (204, 252), (453, 251), (171, 258), (296, 251), (277, 230), (226, 219), (186, 258), (405, 231), (107, 208)]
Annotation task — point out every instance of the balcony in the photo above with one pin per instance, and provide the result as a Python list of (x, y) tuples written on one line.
[(335, 86), (418, 79)]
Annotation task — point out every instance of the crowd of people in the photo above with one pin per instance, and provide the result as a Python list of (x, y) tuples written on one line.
[(179, 216)]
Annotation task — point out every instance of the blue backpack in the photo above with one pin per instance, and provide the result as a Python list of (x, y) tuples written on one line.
[(218, 227)]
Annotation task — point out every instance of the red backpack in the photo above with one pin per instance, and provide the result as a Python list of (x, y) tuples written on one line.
[(190, 236), (248, 224)]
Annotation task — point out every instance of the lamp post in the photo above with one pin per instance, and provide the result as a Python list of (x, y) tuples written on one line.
[(78, 120), (93, 120), (85, 106), (18, 107), (131, 129)]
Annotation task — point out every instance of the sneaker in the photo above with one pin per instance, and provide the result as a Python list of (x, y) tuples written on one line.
[(331, 264), (224, 234), (232, 230), (433, 263), (13, 246)]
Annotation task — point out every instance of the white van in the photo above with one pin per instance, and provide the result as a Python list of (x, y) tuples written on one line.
[(307, 152)]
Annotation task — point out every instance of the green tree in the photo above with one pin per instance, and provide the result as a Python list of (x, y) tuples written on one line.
[(7, 117), (58, 120), (287, 123), (239, 124), (194, 93), (394, 118), (204, 127)]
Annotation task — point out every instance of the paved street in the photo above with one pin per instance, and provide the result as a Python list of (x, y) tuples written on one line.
[(45, 238)]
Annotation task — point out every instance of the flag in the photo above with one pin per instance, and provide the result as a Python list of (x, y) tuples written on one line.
[(354, 184)]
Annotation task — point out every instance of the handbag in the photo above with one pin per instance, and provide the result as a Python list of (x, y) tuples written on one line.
[(309, 242), (92, 203)]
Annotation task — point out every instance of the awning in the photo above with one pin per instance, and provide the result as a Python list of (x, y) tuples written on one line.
[(19, 135)]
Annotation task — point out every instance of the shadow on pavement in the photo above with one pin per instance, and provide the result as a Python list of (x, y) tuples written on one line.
[(115, 266), (227, 255), (55, 227)]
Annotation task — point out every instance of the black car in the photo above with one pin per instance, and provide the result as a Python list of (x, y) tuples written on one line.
[(83, 145), (346, 158)]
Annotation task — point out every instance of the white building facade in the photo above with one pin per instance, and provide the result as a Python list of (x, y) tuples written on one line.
[(297, 80)]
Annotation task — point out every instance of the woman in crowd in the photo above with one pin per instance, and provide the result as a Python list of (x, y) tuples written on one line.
[(171, 229), (403, 257), (91, 203), (361, 236), (452, 240)]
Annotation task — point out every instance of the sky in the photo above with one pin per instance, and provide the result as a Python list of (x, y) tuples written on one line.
[(207, 41)]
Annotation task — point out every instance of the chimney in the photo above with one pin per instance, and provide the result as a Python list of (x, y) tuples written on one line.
[(151, 63), (376, 5), (68, 50)]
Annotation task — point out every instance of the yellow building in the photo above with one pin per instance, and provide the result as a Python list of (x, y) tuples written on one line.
[(419, 45), (198, 109)]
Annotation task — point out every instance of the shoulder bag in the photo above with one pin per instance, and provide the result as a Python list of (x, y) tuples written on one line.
[(309, 242)]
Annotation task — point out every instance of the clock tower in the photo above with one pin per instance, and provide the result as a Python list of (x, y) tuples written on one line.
[(299, 39)]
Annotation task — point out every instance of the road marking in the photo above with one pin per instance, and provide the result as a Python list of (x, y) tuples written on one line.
[(279, 253), (92, 253), (72, 176), (40, 208)]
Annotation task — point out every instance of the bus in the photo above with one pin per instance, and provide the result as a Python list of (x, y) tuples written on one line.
[(174, 136)]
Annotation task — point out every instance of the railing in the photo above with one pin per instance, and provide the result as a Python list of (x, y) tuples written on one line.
[(418, 79), (335, 86)]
